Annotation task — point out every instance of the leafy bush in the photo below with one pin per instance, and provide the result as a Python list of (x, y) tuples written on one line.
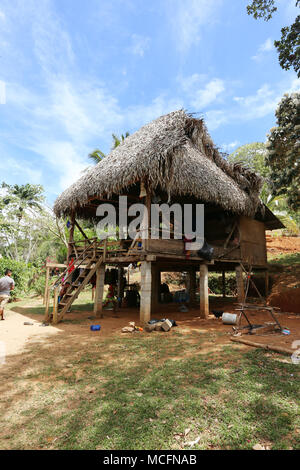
[(21, 274), (215, 283)]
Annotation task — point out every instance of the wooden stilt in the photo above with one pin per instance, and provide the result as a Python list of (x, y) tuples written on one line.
[(55, 305), (71, 237), (120, 289), (46, 285), (204, 301), (267, 283), (191, 286), (47, 303), (98, 301), (223, 284), (240, 284)]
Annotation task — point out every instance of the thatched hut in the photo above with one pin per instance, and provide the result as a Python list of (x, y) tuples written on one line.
[(174, 160)]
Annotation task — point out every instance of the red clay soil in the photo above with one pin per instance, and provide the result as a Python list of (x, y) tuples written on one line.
[(77, 323), (282, 244), (285, 292)]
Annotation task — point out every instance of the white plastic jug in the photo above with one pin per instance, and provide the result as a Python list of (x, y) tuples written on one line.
[(229, 318)]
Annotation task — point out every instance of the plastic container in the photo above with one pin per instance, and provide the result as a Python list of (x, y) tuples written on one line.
[(95, 327), (229, 318), (295, 357)]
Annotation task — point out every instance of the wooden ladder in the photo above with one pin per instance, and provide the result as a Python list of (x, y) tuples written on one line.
[(76, 287), (82, 280)]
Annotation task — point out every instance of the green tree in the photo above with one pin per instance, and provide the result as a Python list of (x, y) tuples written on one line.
[(28, 196), (284, 151), (254, 156), (97, 155), (288, 46)]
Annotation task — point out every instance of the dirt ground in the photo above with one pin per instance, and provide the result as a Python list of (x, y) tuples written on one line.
[(16, 334), (285, 294), (77, 325), (280, 245)]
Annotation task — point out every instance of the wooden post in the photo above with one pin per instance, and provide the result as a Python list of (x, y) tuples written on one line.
[(223, 284), (204, 301), (55, 305), (104, 249), (191, 285), (46, 285), (47, 302), (145, 225), (120, 290), (148, 291), (240, 284), (98, 301), (266, 283), (71, 237), (155, 288)]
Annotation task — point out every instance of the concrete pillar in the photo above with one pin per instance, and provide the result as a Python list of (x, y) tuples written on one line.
[(204, 301), (240, 284), (99, 290), (149, 290)]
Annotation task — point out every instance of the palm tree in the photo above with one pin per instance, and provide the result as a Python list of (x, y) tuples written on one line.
[(97, 155), (28, 196), (117, 140)]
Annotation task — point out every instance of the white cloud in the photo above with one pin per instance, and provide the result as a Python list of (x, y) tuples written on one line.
[(208, 94), (265, 100), (200, 91), (265, 47), (192, 82), (139, 45), (16, 169), (189, 19), (230, 147), (215, 118)]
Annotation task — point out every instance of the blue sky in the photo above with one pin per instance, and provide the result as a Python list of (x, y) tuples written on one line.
[(73, 72)]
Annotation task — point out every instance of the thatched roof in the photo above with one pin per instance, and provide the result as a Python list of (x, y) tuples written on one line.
[(175, 152)]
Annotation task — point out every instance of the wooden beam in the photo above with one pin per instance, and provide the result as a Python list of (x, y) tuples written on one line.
[(269, 347), (81, 231), (98, 301), (191, 285), (204, 301), (46, 285), (47, 303), (55, 305), (223, 284), (240, 284), (267, 279), (71, 237)]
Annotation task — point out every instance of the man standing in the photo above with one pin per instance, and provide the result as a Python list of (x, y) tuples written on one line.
[(6, 285)]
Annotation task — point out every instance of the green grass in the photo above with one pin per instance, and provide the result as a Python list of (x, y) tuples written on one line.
[(144, 391), (284, 259)]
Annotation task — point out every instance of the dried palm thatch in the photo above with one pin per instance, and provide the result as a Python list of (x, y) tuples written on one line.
[(175, 152)]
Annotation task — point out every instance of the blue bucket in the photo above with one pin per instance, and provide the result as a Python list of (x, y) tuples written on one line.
[(95, 327)]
